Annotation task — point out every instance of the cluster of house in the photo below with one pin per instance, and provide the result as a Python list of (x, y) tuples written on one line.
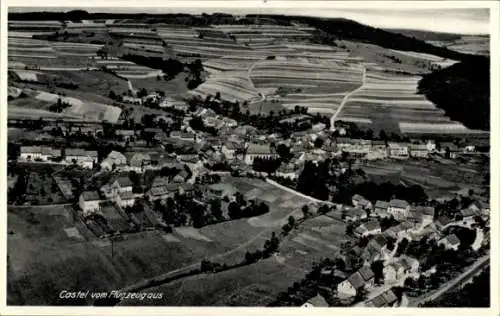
[(415, 223), (377, 149), (76, 156), (120, 191)]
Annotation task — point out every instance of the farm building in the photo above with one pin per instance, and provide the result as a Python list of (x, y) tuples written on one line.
[(125, 199), (381, 209), (361, 279), (399, 208), (41, 153), (398, 150), (360, 201), (81, 157), (355, 214), (89, 202), (419, 151), (367, 229)]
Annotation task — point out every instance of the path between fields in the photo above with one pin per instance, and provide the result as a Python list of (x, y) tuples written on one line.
[(249, 73), (346, 97)]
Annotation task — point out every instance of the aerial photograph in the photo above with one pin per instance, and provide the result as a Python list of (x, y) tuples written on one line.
[(248, 157)]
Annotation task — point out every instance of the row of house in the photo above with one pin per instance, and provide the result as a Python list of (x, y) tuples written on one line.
[(78, 156)]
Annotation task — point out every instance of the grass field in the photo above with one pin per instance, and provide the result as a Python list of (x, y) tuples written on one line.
[(438, 178)]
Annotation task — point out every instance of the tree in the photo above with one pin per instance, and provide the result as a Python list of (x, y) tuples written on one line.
[(206, 265), (377, 268), (215, 209), (305, 211), (318, 143), (112, 95), (142, 93), (291, 221)]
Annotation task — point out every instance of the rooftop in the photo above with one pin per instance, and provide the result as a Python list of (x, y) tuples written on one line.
[(397, 203), (90, 196)]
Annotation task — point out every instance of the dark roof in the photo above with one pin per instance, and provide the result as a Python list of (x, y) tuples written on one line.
[(382, 204), (90, 196), (318, 301), (390, 297), (371, 225), (124, 182), (425, 210), (356, 280), (366, 273), (443, 220), (398, 203), (379, 301)]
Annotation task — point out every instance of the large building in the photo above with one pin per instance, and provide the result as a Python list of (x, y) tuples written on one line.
[(262, 151)]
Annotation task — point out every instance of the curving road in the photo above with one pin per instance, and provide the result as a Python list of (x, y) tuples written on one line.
[(249, 73), (344, 100)]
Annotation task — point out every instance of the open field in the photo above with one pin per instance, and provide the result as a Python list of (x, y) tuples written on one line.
[(50, 253), (439, 179), (396, 95), (38, 104), (257, 284)]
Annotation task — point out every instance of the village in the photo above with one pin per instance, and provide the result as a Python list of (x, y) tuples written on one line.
[(169, 175)]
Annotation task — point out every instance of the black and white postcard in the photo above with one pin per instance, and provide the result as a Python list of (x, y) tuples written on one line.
[(260, 154)]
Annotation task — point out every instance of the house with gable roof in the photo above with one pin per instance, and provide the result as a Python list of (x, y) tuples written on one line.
[(89, 202), (360, 201), (364, 278), (400, 209), (114, 160)]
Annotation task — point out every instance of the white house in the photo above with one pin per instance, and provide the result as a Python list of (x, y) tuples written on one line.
[(81, 157), (363, 278), (121, 185), (89, 202), (450, 242), (125, 199), (113, 160), (398, 150), (431, 145), (42, 153), (419, 151), (400, 209), (229, 151), (254, 150)]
